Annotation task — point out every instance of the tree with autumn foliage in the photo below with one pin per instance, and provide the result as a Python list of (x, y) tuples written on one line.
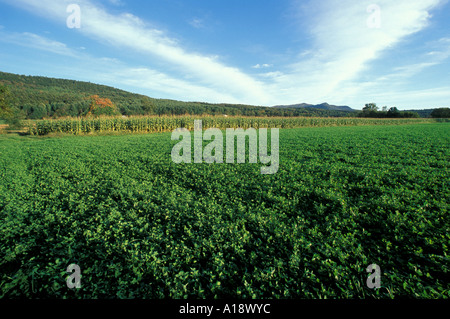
[(102, 107)]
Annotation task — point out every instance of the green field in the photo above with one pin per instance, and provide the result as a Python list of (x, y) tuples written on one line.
[(140, 226)]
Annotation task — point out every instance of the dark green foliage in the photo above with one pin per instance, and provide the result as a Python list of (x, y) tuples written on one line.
[(371, 111), (422, 113), (441, 113), (370, 107), (8, 113), (5, 103), (140, 226)]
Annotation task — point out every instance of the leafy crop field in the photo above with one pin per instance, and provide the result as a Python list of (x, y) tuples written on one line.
[(140, 226)]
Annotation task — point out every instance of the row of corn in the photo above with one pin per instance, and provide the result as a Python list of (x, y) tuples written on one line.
[(163, 124)]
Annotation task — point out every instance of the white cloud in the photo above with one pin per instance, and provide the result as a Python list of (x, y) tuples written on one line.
[(38, 42), (197, 23), (166, 86), (441, 50), (262, 66), (273, 75)]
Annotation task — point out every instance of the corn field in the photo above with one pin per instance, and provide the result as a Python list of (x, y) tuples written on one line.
[(79, 126)]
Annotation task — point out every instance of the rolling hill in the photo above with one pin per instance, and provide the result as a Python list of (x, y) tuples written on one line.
[(42, 97), (322, 106)]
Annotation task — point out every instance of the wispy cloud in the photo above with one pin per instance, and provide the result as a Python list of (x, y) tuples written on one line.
[(197, 23), (38, 42), (166, 86), (262, 66), (441, 50)]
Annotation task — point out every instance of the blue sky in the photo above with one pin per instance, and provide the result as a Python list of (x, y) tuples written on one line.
[(266, 52)]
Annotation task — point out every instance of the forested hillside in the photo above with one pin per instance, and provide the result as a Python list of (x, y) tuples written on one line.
[(41, 97), (37, 97)]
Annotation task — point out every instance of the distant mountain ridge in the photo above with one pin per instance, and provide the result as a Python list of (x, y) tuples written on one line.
[(322, 106)]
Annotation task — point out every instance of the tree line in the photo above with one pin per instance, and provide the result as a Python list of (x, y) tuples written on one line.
[(371, 110)]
